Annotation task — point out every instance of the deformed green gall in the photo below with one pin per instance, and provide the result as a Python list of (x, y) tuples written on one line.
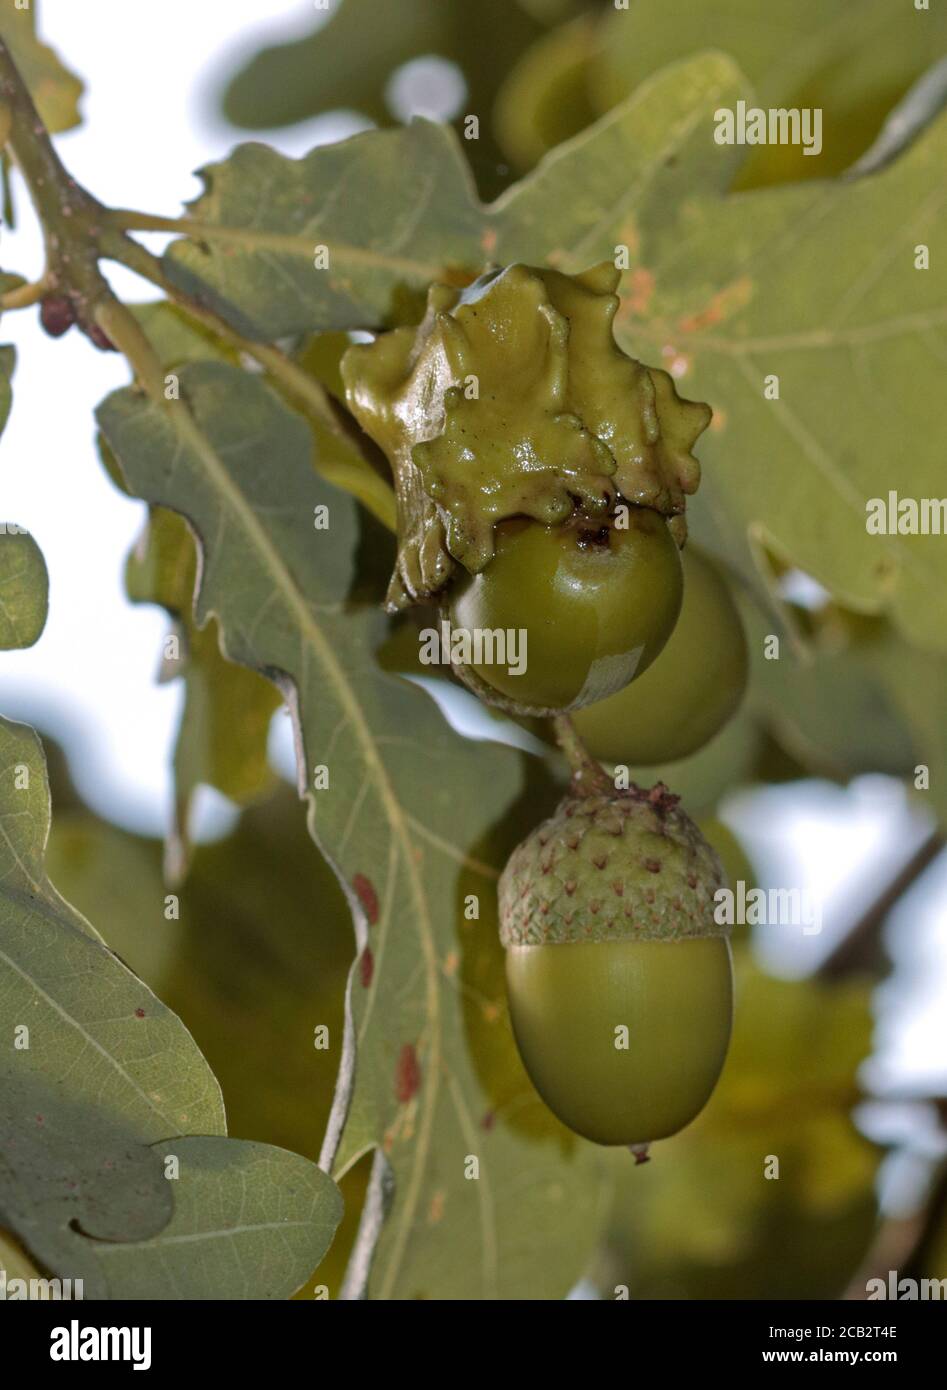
[(512, 399)]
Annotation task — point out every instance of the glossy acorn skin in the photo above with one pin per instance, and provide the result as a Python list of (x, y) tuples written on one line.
[(676, 1000), (597, 603), (690, 692)]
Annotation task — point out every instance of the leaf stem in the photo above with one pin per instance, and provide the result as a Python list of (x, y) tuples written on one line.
[(131, 221), (23, 296), (123, 329), (421, 272)]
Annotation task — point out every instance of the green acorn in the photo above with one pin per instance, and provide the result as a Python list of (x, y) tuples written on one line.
[(619, 979)]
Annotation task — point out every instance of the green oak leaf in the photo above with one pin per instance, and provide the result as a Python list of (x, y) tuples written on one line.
[(108, 1068), (24, 589), (261, 951), (108, 1074), (814, 285), (55, 90), (222, 736), (71, 1169), (250, 1221), (409, 209), (399, 805)]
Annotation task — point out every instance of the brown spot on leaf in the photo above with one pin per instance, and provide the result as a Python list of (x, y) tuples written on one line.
[(139, 1013), (653, 866), (366, 967), (407, 1074), (365, 892)]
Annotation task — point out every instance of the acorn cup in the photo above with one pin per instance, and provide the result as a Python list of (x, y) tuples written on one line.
[(619, 980)]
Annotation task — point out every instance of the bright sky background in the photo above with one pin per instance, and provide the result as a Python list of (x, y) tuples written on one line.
[(90, 679)]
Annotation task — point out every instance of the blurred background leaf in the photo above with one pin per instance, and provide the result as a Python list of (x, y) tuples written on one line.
[(227, 710), (348, 63), (7, 365), (851, 59)]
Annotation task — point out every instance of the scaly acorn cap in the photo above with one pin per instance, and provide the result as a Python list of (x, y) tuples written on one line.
[(512, 398), (623, 866)]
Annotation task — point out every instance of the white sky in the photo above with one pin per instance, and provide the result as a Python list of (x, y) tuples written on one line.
[(89, 681)]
